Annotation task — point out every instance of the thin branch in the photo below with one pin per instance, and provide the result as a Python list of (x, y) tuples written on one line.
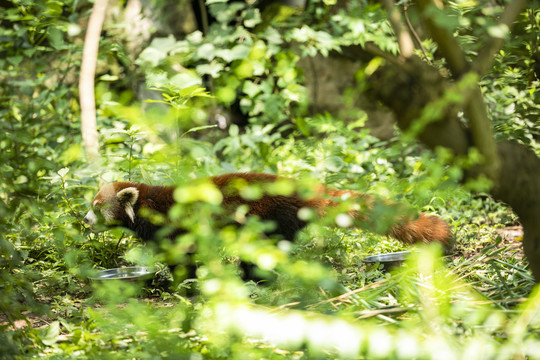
[(415, 34), (368, 51), (374, 50), (344, 297), (86, 79), (364, 314), (485, 56), (404, 39)]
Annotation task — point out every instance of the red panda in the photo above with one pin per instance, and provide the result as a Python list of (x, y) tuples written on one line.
[(119, 205)]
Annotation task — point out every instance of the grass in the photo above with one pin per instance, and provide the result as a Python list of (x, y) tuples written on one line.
[(474, 293)]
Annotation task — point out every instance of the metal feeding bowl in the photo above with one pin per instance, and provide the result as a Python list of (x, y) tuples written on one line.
[(131, 273), (389, 260)]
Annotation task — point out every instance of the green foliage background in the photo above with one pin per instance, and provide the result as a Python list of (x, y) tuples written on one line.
[(325, 303)]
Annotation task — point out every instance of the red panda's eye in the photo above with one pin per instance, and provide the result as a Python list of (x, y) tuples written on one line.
[(99, 208)]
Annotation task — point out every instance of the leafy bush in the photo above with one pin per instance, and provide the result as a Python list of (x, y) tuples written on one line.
[(322, 302)]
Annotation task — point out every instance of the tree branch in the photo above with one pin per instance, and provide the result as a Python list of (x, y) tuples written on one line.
[(415, 34), (474, 107), (367, 52), (86, 79), (404, 39), (407, 89), (448, 45), (483, 61), (482, 132)]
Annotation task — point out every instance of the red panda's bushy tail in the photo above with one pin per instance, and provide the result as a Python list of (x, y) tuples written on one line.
[(424, 229), (408, 229)]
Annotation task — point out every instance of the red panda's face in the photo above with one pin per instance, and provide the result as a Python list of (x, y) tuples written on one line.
[(113, 205)]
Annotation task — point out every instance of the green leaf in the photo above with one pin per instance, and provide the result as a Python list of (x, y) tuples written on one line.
[(207, 51), (258, 51), (199, 128), (54, 8), (51, 337), (500, 31), (156, 79), (238, 52), (56, 37), (186, 79), (226, 94), (157, 51), (77, 336), (212, 69), (244, 69), (334, 163), (251, 89), (225, 13), (193, 91), (15, 60), (442, 18), (150, 57), (62, 172), (164, 44), (252, 17)]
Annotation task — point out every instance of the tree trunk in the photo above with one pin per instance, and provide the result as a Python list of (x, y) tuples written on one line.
[(86, 80), (518, 185), (410, 88)]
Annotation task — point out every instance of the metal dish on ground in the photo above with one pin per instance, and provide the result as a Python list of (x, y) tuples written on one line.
[(389, 260), (131, 273)]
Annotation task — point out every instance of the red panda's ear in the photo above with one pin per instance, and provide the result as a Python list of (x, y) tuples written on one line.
[(128, 196)]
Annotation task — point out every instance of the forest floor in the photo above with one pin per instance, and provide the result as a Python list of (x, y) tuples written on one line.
[(510, 245)]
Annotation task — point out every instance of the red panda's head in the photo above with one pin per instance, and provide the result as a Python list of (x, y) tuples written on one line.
[(113, 205)]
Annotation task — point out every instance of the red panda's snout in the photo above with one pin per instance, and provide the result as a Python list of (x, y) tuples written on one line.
[(91, 220), (113, 205)]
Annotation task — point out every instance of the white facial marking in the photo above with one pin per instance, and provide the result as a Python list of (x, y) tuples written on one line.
[(130, 212), (108, 215), (95, 202), (90, 218)]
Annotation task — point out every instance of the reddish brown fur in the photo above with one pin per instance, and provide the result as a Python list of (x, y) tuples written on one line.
[(278, 208), (158, 198)]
